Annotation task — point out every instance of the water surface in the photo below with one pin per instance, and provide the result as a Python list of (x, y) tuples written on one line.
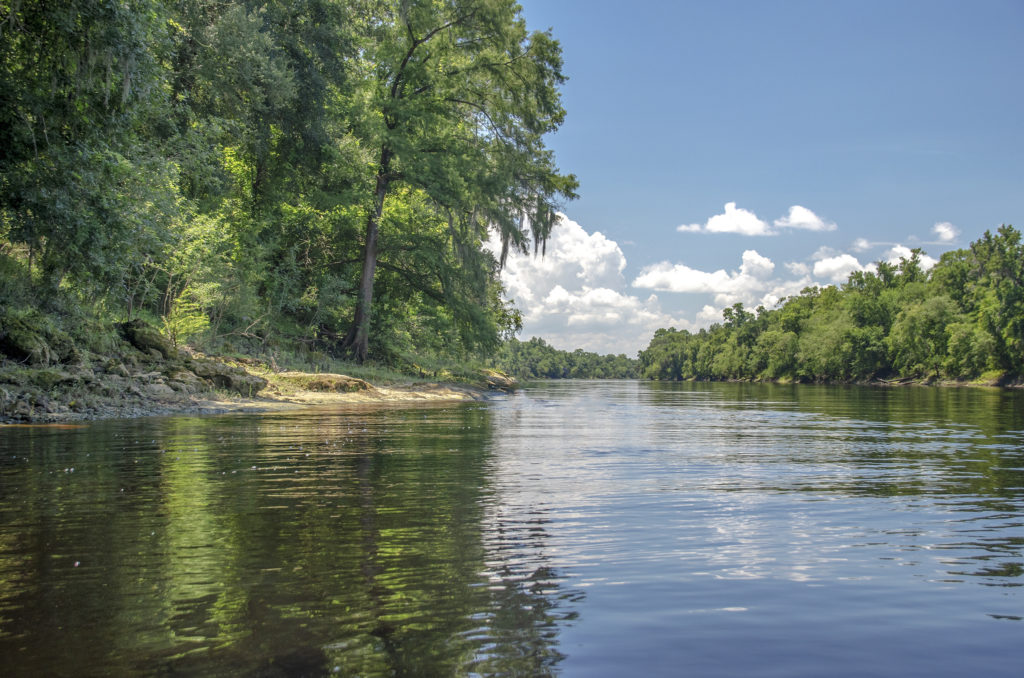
[(575, 528)]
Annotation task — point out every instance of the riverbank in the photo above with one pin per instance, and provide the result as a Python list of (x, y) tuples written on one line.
[(150, 383), (994, 380)]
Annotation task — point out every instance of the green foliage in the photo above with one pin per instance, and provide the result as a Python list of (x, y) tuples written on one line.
[(185, 319), (212, 167), (960, 320), (454, 114), (535, 359), (80, 187)]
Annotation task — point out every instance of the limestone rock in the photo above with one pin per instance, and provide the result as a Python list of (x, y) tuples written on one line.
[(158, 390), (147, 339), (20, 340), (335, 383), (184, 381), (228, 377), (499, 381)]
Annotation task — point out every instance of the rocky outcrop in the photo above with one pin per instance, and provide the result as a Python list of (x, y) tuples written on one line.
[(228, 377), (28, 337), (324, 383), (499, 381), (43, 377), (147, 339)]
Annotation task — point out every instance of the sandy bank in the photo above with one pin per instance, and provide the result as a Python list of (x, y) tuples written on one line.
[(200, 386)]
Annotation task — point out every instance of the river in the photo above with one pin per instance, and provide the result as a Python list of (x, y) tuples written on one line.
[(575, 528)]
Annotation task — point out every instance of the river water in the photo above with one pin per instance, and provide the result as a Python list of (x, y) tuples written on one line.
[(575, 528)]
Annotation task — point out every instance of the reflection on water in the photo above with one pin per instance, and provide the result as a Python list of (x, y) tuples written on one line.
[(576, 528), (353, 543)]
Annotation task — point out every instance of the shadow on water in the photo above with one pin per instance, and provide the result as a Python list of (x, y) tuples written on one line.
[(362, 542)]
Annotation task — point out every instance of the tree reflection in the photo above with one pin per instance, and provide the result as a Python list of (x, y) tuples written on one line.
[(350, 543)]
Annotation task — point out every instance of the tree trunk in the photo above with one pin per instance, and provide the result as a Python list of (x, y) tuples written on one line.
[(357, 341)]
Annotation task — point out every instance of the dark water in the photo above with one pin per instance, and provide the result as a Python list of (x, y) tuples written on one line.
[(576, 528)]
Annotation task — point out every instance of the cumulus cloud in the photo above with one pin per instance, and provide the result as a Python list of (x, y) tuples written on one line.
[(898, 252), (798, 268), (738, 220), (596, 308), (733, 220), (824, 252), (667, 277), (945, 231), (690, 228), (756, 266), (573, 258), (862, 245), (573, 296), (577, 295), (752, 285), (709, 314), (803, 218), (769, 296), (837, 268)]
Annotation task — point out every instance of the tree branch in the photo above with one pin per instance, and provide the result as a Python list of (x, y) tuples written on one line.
[(416, 43), (417, 284)]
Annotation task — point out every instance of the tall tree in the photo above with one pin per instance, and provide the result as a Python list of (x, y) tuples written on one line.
[(457, 98)]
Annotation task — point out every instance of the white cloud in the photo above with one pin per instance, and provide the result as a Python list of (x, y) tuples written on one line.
[(578, 297), (803, 218), (733, 220), (756, 266), (784, 288), (768, 296), (709, 314), (825, 252), (573, 258), (862, 245), (798, 268), (752, 285), (837, 268), (738, 220), (945, 231), (898, 252), (666, 277), (573, 296)]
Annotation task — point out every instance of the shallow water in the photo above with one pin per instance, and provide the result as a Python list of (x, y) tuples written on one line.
[(575, 528)]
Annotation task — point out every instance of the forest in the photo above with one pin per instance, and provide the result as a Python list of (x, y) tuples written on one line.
[(309, 176), (536, 359), (961, 320)]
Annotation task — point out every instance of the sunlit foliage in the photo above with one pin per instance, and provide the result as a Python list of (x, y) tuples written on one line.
[(961, 320), (214, 167)]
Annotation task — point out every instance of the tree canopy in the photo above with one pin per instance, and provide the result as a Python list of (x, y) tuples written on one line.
[(536, 359), (250, 171), (960, 320)]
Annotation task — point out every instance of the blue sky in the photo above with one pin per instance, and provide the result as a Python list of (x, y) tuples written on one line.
[(738, 151)]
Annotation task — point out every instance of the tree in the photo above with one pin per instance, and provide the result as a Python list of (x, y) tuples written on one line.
[(80, 85), (457, 99), (998, 278), (920, 336)]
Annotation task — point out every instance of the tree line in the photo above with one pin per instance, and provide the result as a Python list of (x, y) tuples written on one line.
[(248, 172), (536, 359), (963, 319)]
